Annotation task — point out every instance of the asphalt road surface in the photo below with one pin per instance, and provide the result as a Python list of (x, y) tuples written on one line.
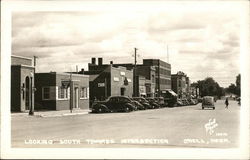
[(187, 126)]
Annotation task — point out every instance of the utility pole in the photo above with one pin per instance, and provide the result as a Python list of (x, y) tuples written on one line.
[(135, 79), (167, 55)]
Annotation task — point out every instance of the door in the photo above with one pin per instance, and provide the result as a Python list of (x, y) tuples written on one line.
[(76, 94), (123, 91)]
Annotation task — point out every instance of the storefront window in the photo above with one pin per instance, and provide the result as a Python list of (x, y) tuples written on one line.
[(63, 93), (84, 92)]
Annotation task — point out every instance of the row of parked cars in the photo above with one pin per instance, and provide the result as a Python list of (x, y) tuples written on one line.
[(127, 104), (186, 102)]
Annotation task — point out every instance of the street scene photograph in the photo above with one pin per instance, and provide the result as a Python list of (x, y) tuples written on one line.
[(126, 75)]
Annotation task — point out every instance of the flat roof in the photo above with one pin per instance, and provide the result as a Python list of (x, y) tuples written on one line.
[(63, 73), (21, 57)]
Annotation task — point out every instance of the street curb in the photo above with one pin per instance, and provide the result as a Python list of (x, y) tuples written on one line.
[(62, 115)]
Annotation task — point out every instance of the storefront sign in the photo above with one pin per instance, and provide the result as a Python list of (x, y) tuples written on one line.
[(116, 79), (122, 73), (101, 84)]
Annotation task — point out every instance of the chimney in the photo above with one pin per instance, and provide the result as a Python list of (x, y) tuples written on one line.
[(99, 61), (93, 60)]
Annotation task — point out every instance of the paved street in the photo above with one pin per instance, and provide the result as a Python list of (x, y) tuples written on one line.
[(166, 127)]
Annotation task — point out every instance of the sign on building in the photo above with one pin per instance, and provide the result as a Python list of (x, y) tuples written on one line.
[(101, 84), (65, 84)]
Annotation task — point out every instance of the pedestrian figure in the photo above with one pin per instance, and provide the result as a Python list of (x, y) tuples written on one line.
[(226, 102)]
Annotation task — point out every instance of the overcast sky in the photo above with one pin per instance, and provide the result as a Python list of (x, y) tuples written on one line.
[(203, 40)]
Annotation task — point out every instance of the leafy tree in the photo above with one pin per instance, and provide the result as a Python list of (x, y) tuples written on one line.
[(209, 87), (235, 88)]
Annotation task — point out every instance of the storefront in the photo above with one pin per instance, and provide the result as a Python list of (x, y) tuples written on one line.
[(61, 91)]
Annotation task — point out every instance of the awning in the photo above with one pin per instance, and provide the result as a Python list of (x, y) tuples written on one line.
[(170, 91)]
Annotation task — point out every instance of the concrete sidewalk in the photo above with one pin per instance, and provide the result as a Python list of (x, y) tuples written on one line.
[(54, 113)]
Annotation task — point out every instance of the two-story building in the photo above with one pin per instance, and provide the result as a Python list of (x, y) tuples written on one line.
[(181, 84), (107, 80)]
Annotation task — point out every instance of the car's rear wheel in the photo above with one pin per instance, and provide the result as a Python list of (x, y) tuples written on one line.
[(202, 107), (213, 108)]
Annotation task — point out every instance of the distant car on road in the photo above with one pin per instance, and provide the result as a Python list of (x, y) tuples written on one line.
[(114, 104), (208, 102)]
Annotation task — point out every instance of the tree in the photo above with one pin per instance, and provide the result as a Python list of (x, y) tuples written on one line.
[(208, 87), (235, 88), (231, 88)]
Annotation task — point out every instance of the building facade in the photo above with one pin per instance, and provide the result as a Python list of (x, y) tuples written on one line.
[(162, 74), (61, 91), (194, 90), (22, 84), (107, 80), (181, 84)]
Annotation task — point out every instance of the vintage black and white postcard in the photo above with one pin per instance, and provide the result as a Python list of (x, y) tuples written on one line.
[(125, 79)]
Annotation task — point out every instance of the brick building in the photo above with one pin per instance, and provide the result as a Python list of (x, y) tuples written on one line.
[(157, 73), (148, 72), (53, 94), (181, 84), (22, 83), (162, 74), (194, 90), (107, 80)]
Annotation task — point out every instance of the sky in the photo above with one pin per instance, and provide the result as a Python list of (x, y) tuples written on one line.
[(202, 40)]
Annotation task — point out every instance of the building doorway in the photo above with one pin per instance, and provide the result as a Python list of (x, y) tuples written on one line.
[(27, 93), (123, 91), (76, 95)]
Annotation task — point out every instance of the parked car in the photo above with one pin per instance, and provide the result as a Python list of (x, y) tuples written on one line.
[(192, 102), (152, 102), (160, 101), (114, 104), (139, 106), (185, 102), (208, 102), (143, 101), (170, 97), (179, 102)]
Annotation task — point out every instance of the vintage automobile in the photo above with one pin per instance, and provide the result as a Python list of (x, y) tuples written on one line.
[(152, 102), (160, 101), (185, 102), (143, 101), (114, 104), (179, 102), (208, 102), (170, 97), (138, 105)]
